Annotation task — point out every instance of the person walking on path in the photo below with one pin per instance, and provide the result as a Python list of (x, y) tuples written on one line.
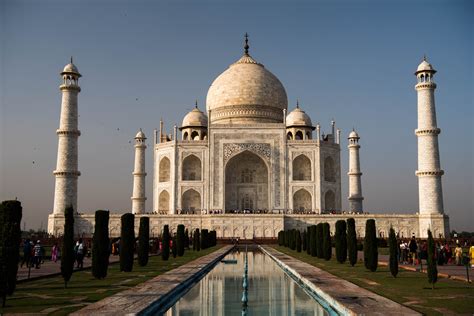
[(413, 248), (80, 251), (54, 252), (26, 253), (38, 251), (471, 255), (458, 254)]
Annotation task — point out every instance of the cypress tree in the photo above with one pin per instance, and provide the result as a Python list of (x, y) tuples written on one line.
[(293, 239), (432, 269), (127, 242), (298, 241), (286, 240), (67, 252), (213, 238), (100, 245), (10, 238), (319, 241), (197, 239), (174, 246), (280, 238), (370, 246), (165, 243), (186, 239), (312, 240), (180, 240), (143, 241), (308, 244), (351, 241), (303, 240), (341, 241), (393, 246), (327, 249), (204, 239)]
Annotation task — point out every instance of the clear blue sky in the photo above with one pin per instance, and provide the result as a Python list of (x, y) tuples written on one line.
[(142, 60)]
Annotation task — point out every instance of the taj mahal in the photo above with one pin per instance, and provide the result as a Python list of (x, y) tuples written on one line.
[(247, 166)]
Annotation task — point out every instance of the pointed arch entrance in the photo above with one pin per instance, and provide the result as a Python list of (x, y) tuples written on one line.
[(246, 183)]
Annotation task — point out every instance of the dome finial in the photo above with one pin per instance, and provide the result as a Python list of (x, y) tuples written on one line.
[(424, 57), (297, 104), (246, 47), (196, 104), (71, 60)]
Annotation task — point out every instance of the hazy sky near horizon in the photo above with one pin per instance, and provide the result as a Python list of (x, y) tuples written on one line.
[(143, 60)]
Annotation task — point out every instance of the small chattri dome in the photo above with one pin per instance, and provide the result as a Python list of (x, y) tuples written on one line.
[(195, 118), (298, 117), (71, 69), (425, 66), (353, 134), (140, 134)]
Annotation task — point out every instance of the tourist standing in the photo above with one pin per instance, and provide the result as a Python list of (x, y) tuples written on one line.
[(54, 252), (413, 246), (38, 251), (458, 254), (471, 255), (80, 251), (26, 253)]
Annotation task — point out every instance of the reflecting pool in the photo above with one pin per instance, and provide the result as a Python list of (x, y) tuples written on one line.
[(270, 290)]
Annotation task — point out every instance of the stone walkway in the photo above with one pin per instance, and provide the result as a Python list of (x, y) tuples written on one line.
[(344, 295), (150, 296)]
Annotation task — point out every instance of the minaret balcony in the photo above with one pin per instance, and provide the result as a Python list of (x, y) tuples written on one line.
[(431, 173), (70, 87), (429, 131)]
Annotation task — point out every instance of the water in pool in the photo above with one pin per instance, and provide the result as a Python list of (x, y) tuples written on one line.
[(270, 291)]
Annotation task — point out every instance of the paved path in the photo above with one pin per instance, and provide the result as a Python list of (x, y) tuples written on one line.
[(347, 297), (157, 291), (50, 268)]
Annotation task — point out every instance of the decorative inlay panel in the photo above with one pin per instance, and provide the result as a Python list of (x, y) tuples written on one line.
[(262, 149)]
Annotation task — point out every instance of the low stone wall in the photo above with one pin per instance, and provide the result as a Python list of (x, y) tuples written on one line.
[(250, 226)]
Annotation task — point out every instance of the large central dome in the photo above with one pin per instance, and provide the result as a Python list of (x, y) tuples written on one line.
[(246, 93)]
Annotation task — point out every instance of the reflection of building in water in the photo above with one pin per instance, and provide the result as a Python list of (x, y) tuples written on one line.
[(270, 292)]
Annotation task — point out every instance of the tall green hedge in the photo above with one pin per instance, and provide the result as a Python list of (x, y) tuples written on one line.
[(393, 247), (180, 240), (370, 246), (341, 241), (197, 240), (308, 244), (174, 246), (10, 238), (213, 238), (432, 269), (327, 249), (127, 242), (351, 241), (313, 236), (303, 240), (67, 252), (319, 241), (204, 239), (165, 243), (143, 241), (186, 239), (100, 245), (298, 241), (280, 238)]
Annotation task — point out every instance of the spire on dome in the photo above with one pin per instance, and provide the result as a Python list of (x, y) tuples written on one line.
[(71, 60), (297, 104), (196, 104), (246, 47)]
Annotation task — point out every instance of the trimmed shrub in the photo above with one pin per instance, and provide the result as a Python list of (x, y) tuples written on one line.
[(287, 239), (197, 240), (341, 241), (327, 249), (313, 240), (174, 246), (204, 239), (100, 245), (213, 238), (370, 246), (319, 241), (351, 241), (180, 240), (143, 241), (10, 238), (127, 242), (308, 245), (67, 252), (432, 269), (393, 245), (165, 243), (293, 239), (186, 239), (298, 241), (303, 240), (280, 238)]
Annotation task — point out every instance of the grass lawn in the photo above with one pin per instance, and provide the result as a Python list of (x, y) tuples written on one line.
[(49, 296), (409, 288)]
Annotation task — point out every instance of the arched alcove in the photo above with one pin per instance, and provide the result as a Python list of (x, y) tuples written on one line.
[(164, 202), (329, 170), (191, 201), (302, 200), (301, 168), (329, 201), (191, 168), (164, 170)]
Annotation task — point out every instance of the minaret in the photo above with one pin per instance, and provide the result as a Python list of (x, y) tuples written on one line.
[(355, 187), (66, 173), (429, 171), (138, 198)]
